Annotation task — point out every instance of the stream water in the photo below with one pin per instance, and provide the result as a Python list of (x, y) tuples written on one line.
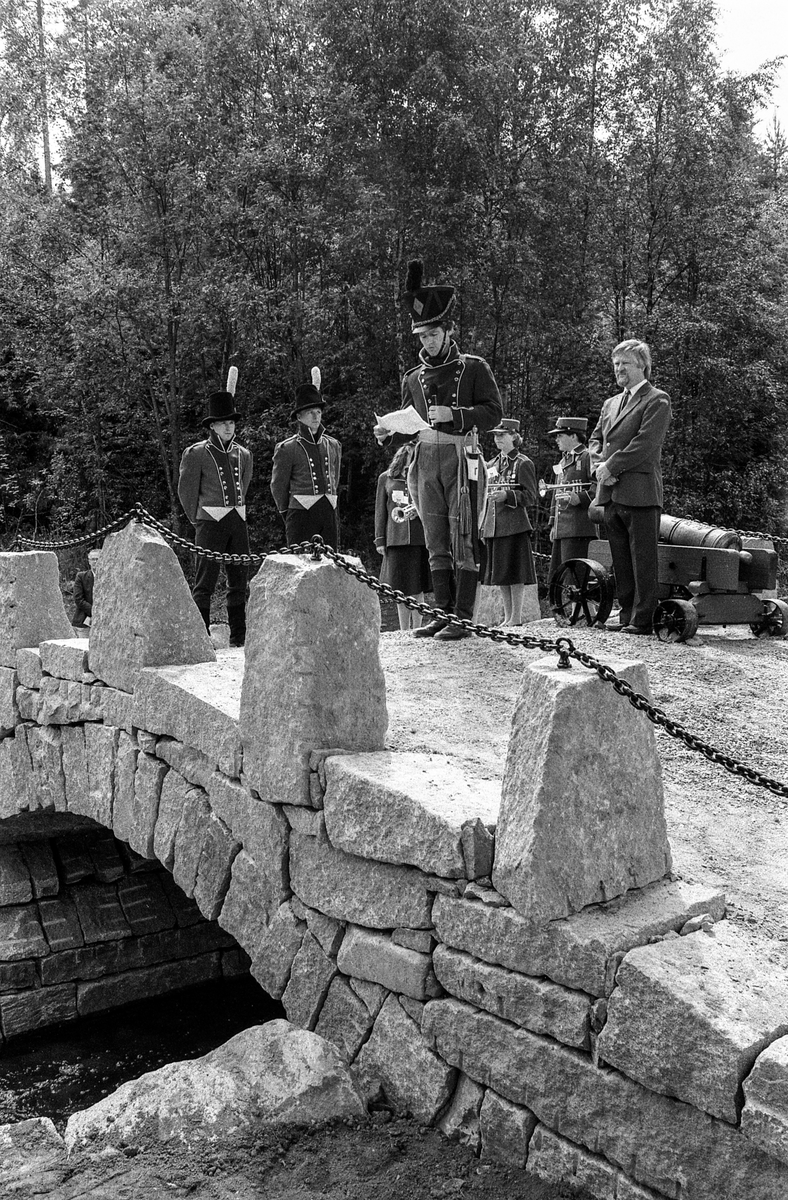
[(56, 1071)]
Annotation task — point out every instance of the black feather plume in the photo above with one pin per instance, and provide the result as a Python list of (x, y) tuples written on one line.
[(415, 275)]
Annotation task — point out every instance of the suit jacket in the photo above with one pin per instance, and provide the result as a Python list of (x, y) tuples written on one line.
[(214, 477), (83, 596), (574, 521), (306, 467), (510, 514), (462, 382), (630, 444)]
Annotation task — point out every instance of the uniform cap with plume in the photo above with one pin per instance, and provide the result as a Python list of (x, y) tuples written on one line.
[(428, 304), (308, 395)]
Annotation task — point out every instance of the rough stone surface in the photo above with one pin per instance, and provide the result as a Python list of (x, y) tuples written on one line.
[(31, 1152), (31, 605), (579, 952), (148, 779), (198, 705), (461, 1119), (261, 828), (271, 1073), (62, 702), (348, 888), (175, 792), (506, 1130), (367, 955), (16, 886), (662, 1143), (66, 658), (688, 1017), (251, 903), (582, 813), (764, 1118), (22, 1011), (123, 787), (101, 749), (48, 782), (219, 849), (20, 934), (189, 840), (555, 1160), (9, 711), (344, 1019), (28, 666), (41, 865), (534, 1004), (143, 612), (98, 995), (273, 960), (405, 808), (398, 1059), (294, 701), (310, 979)]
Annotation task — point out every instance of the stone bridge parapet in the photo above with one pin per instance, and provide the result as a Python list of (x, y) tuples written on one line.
[(512, 962)]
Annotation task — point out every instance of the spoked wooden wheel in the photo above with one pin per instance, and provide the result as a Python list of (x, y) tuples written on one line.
[(675, 621), (581, 593), (773, 621)]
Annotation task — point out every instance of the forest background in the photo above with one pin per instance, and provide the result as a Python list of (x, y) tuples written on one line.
[(242, 182)]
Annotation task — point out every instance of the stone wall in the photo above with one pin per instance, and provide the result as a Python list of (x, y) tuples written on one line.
[(87, 925), (615, 1034)]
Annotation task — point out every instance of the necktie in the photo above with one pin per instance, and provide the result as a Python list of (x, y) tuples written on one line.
[(624, 400)]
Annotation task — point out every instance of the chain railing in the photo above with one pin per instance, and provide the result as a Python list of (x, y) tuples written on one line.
[(562, 646)]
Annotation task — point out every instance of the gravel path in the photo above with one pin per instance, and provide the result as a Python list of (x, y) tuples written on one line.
[(726, 686)]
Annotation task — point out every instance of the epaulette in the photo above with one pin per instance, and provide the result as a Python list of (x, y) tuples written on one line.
[(410, 370)]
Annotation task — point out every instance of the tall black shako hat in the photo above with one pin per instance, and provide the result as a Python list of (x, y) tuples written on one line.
[(428, 304), (308, 395), (221, 407)]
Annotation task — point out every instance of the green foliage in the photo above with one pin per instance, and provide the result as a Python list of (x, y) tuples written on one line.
[(243, 184)]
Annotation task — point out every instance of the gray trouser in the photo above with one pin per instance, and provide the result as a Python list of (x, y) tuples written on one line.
[(433, 483)]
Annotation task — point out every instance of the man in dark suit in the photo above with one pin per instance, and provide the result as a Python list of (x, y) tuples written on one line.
[(626, 448)]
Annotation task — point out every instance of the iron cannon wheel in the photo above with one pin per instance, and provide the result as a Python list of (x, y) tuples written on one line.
[(773, 621), (581, 592), (675, 621)]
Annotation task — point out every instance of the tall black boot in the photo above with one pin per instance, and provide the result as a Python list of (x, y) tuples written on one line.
[(463, 607), (205, 612), (236, 618), (441, 586)]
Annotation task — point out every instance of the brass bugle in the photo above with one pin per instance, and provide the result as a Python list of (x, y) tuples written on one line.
[(402, 513), (577, 485)]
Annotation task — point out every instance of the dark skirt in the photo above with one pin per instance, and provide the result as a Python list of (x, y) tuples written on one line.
[(407, 568), (507, 560)]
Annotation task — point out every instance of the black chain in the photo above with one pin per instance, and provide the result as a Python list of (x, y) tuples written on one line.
[(563, 646), (86, 539), (769, 537)]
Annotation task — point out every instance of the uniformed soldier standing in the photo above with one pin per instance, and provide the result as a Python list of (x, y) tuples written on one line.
[(571, 528), (214, 479), (305, 477), (457, 394)]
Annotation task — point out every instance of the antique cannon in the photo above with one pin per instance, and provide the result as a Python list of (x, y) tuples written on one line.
[(707, 576)]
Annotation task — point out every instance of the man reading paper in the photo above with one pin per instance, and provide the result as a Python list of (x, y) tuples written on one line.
[(454, 394)]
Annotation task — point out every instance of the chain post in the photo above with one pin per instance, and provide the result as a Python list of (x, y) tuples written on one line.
[(564, 647), (317, 547)]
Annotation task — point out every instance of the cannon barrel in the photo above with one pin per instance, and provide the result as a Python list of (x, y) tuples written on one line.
[(678, 532)]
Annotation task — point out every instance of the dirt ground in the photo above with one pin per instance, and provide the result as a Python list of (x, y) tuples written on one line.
[(379, 1159)]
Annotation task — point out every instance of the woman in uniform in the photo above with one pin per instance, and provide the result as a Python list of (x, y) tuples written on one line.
[(571, 528), (507, 557), (399, 537)]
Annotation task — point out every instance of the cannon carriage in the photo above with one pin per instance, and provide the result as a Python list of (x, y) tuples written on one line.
[(707, 576)]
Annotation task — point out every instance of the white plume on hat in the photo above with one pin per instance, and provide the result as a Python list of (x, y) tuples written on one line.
[(316, 377)]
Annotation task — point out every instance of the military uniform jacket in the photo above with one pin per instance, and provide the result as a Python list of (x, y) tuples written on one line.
[(214, 480), (394, 533), (630, 443), (462, 382), (511, 514), (574, 521), (306, 467)]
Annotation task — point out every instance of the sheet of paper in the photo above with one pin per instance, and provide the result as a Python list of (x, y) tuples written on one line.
[(404, 420)]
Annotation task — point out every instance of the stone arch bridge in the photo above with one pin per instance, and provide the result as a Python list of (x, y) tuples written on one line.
[(513, 962)]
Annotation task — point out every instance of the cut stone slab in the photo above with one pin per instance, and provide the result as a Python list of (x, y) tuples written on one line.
[(348, 888), (313, 676), (764, 1118), (555, 1160), (535, 1004), (310, 979), (582, 951), (371, 956), (344, 1019), (66, 658), (506, 1130), (31, 604), (405, 808), (689, 1016), (32, 1156), (28, 666), (197, 704), (398, 1059), (582, 815), (143, 612), (270, 1073), (661, 1143)]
